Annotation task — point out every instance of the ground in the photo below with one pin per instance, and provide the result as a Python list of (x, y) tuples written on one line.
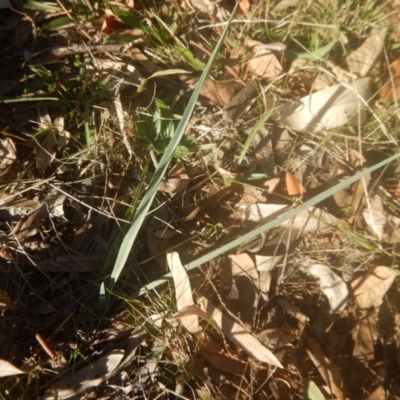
[(199, 201)]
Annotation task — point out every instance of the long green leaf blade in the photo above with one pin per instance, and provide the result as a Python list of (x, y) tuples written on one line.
[(269, 225), (148, 197)]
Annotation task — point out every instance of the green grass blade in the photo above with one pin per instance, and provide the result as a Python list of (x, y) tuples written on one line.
[(148, 197), (259, 123), (269, 225)]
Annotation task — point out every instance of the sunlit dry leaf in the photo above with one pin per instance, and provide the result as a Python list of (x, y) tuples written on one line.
[(271, 184), (293, 185), (378, 394), (264, 62), (232, 330), (92, 375), (285, 5), (267, 263), (238, 335), (328, 371), (330, 108), (173, 185), (331, 284), (183, 291), (367, 56), (7, 369), (8, 155), (243, 6), (204, 6), (309, 221), (375, 217), (369, 290)]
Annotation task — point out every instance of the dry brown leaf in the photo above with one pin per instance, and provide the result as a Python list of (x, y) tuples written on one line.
[(364, 337), (362, 60), (310, 221), (173, 185), (369, 290), (246, 285), (293, 185), (351, 197), (233, 108), (328, 371), (331, 284), (391, 88), (30, 224), (375, 217), (232, 330), (264, 63), (183, 291), (333, 107), (72, 385), (243, 6), (219, 92), (238, 335)]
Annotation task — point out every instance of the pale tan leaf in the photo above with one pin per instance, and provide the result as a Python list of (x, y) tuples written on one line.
[(239, 335), (331, 284), (204, 6), (264, 63), (232, 330), (342, 104), (8, 155), (267, 263), (369, 290), (244, 6), (183, 291), (362, 60), (310, 221), (71, 385), (375, 217), (173, 185), (328, 371), (243, 264), (7, 369)]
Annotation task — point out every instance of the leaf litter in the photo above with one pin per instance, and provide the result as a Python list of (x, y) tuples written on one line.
[(90, 97)]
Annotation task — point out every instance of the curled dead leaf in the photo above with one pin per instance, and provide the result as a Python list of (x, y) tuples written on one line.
[(369, 289), (331, 284), (333, 107), (183, 291), (362, 60)]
